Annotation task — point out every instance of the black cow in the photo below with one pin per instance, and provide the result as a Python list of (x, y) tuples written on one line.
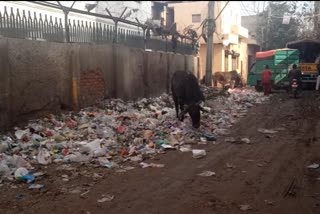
[(186, 94)]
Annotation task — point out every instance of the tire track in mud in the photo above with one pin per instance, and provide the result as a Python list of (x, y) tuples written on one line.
[(285, 157)]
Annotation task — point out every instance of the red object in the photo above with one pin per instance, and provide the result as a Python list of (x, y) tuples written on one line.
[(93, 114), (65, 151), (132, 116), (71, 123), (294, 83), (48, 133), (124, 152), (266, 75), (16, 151), (50, 116), (121, 129), (260, 55), (266, 88)]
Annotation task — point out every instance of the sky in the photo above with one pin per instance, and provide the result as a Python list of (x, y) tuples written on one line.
[(247, 8)]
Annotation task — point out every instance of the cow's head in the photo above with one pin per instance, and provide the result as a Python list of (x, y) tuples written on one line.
[(194, 112)]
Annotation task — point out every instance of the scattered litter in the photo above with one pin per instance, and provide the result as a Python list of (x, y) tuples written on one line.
[(112, 165), (128, 168), (245, 140), (106, 198), (245, 207), (230, 166), (165, 146), (65, 178), (38, 174), (198, 153), (230, 140), (83, 194), (185, 148), (152, 165), (237, 140), (114, 132), (207, 138), (36, 186), (267, 131), (20, 173), (19, 196), (207, 173), (313, 166), (268, 202)]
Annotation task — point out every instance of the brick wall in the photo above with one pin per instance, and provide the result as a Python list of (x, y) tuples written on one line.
[(91, 87)]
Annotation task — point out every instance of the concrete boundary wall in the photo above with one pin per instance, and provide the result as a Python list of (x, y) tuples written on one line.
[(39, 77)]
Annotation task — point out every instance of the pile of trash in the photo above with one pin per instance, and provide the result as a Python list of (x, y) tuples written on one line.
[(115, 132)]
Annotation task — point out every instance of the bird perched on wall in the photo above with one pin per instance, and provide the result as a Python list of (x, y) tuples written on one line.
[(90, 7)]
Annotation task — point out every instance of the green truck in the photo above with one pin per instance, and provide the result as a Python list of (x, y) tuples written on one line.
[(280, 62)]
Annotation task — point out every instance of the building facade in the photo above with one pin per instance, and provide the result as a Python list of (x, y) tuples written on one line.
[(230, 49)]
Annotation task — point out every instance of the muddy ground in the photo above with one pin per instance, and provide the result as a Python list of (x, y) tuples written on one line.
[(270, 174)]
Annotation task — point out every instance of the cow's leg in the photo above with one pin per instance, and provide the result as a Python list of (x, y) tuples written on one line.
[(176, 103), (181, 109)]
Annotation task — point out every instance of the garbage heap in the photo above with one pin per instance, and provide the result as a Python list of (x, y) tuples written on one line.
[(115, 131)]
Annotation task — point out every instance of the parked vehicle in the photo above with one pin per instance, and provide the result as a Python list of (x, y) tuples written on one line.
[(280, 62), (309, 58)]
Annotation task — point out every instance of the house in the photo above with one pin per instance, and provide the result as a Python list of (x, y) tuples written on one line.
[(231, 39)]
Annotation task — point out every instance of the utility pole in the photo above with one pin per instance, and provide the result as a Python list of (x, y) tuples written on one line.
[(211, 26), (268, 27), (316, 18)]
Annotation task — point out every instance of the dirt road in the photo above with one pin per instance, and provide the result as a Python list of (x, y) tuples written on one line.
[(270, 174)]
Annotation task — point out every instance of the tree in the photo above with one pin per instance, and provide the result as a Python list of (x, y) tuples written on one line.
[(270, 29), (307, 28)]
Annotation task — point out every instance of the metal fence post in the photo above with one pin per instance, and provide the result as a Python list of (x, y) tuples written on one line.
[(14, 26), (144, 38), (66, 26), (115, 33)]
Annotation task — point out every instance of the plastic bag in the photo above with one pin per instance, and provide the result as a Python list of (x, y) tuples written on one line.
[(77, 157), (198, 153), (43, 157), (20, 172)]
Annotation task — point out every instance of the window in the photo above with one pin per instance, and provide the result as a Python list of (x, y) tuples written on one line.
[(196, 18)]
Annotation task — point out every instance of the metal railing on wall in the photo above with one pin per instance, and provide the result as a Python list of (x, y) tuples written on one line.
[(37, 26)]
